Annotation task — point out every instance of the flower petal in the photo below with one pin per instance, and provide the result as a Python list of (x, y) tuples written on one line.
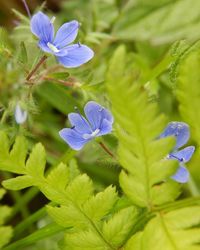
[(183, 155), (75, 55), (72, 138), (43, 46), (178, 129), (106, 127), (20, 115), (95, 114), (182, 175), (79, 123), (42, 27), (66, 34)]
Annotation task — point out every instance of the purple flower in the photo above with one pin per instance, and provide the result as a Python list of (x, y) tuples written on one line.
[(70, 56), (181, 131), (98, 122)]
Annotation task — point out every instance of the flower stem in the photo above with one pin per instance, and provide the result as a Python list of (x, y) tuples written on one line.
[(106, 149), (41, 61), (65, 83), (26, 8)]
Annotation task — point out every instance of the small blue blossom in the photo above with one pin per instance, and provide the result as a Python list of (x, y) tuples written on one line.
[(181, 132), (20, 114), (70, 56), (98, 122)]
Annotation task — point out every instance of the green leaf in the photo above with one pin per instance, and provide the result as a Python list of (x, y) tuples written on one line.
[(100, 204), (60, 75), (87, 240), (188, 92), (174, 230), (140, 153), (154, 23), (18, 152), (2, 192), (118, 227), (4, 145), (36, 162), (80, 189), (23, 57), (15, 160), (53, 94), (58, 177), (4, 213), (19, 182), (6, 233), (68, 216)]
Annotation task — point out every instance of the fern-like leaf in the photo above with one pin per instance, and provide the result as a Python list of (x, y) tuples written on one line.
[(146, 179), (176, 230)]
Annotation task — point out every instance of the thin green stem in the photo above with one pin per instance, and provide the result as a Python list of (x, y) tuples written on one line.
[(178, 204), (21, 227), (40, 234), (194, 190), (23, 201)]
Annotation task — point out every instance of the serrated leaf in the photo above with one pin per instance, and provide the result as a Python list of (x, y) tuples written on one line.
[(188, 92), (86, 240), (15, 160), (174, 230), (68, 216), (118, 227), (19, 182), (167, 192), (140, 152), (18, 152), (80, 189), (58, 177), (36, 162), (100, 204)]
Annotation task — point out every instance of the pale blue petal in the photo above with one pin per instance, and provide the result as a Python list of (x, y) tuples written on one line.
[(106, 127), (42, 27), (20, 114), (75, 55), (95, 114), (43, 46), (72, 138), (183, 155), (178, 129), (66, 34), (182, 175), (79, 123)]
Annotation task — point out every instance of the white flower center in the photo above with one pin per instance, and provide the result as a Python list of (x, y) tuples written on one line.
[(93, 134), (53, 48)]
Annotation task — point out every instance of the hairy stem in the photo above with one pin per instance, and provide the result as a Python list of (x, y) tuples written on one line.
[(34, 70), (106, 150)]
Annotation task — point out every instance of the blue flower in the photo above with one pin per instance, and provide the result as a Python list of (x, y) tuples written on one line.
[(99, 122), (181, 131), (68, 55), (20, 114)]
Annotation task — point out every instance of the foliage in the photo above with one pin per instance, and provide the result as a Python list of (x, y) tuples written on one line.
[(6, 231), (139, 152), (117, 192)]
